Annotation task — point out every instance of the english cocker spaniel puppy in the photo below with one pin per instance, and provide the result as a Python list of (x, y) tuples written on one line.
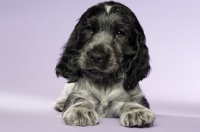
[(104, 59)]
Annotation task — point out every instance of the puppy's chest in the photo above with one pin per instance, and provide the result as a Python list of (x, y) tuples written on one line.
[(105, 102)]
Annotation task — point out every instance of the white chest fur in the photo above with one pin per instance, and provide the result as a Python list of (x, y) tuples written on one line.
[(102, 98)]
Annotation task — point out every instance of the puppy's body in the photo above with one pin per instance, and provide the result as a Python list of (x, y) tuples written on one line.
[(104, 102), (107, 102), (106, 57)]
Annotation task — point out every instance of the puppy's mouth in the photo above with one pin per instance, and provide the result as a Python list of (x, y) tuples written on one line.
[(99, 75), (95, 73)]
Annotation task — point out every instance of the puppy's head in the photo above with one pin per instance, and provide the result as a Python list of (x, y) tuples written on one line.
[(107, 40)]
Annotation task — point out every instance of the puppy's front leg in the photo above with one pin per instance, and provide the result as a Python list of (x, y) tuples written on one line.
[(79, 111), (136, 115)]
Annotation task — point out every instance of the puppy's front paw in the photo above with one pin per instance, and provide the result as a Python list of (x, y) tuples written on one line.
[(138, 118), (80, 116)]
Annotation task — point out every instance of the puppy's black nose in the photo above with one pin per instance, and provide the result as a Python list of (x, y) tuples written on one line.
[(97, 57)]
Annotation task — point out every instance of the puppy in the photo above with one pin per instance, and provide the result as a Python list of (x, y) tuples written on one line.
[(105, 58)]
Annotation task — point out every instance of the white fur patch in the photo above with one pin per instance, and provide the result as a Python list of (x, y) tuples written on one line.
[(107, 7)]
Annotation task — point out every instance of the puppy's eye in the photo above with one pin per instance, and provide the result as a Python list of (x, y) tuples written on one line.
[(89, 29), (120, 34)]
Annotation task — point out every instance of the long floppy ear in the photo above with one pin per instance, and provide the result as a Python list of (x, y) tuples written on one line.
[(67, 66), (137, 66)]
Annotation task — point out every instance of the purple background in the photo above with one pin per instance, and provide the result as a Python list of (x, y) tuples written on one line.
[(33, 32)]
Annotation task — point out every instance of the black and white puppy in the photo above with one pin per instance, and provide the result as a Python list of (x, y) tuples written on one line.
[(105, 57)]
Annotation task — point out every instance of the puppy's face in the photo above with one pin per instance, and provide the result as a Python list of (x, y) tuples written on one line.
[(108, 43), (105, 36)]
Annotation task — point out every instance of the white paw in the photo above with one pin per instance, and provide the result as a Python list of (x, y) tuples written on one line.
[(80, 116), (138, 118)]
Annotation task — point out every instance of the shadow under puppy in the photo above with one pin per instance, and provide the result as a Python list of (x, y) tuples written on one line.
[(105, 57)]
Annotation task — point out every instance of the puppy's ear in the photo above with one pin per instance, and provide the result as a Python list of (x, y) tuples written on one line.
[(137, 65), (67, 66)]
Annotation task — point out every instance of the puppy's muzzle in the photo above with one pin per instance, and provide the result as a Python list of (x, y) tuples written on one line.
[(97, 57)]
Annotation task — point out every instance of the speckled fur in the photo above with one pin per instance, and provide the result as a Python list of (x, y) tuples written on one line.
[(105, 57)]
